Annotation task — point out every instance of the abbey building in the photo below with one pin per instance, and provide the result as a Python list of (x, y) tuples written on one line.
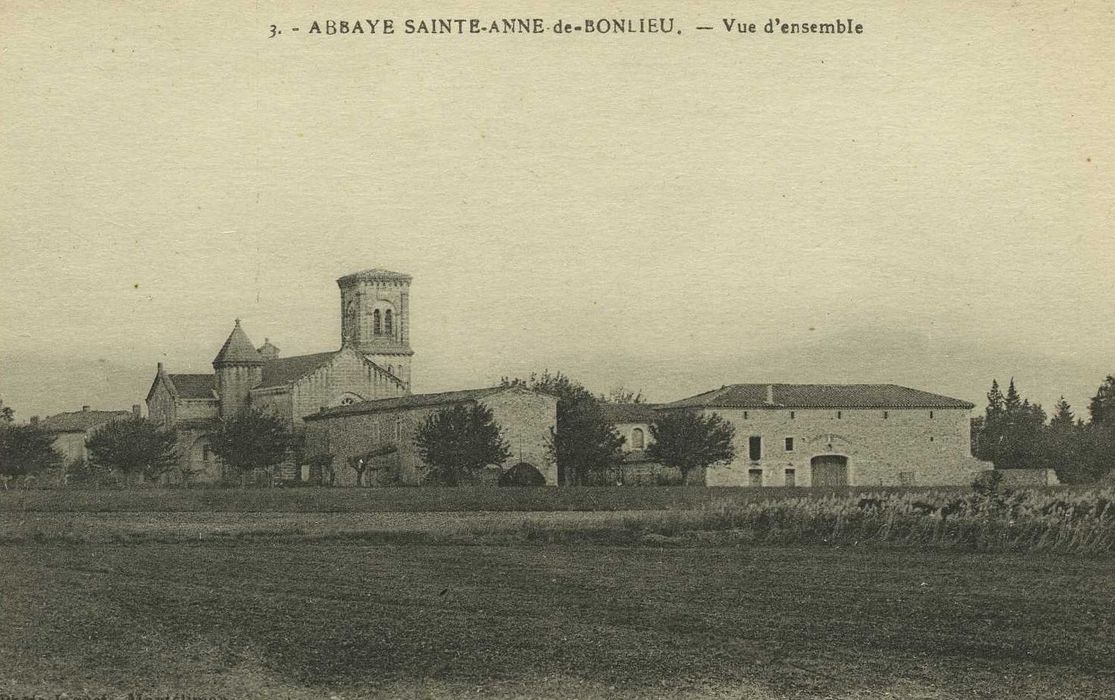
[(373, 363)]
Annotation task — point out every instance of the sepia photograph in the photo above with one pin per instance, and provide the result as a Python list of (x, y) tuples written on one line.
[(537, 349)]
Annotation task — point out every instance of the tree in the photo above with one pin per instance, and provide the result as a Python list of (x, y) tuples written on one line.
[(7, 415), (252, 440), (460, 441), (584, 443), (137, 447), (691, 441), (1011, 430), (1102, 405), (621, 394), (25, 450)]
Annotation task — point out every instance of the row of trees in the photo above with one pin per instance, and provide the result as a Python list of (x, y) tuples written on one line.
[(1016, 434)]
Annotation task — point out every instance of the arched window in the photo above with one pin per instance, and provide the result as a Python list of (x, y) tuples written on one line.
[(377, 323), (637, 440), (388, 326)]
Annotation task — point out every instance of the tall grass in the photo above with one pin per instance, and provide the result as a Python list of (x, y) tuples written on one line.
[(1024, 520)]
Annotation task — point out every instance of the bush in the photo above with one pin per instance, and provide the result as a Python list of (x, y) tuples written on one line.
[(522, 474)]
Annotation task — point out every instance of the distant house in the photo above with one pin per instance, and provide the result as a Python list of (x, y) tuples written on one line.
[(383, 431), (72, 430), (840, 435), (632, 421)]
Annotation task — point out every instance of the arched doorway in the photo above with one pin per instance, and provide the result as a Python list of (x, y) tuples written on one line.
[(829, 470)]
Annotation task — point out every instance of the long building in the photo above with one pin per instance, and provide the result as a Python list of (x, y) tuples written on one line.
[(827, 435)]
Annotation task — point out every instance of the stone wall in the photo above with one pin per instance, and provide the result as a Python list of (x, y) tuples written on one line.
[(524, 417), (347, 373)]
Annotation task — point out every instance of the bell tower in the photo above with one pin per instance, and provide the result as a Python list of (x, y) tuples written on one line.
[(375, 318)]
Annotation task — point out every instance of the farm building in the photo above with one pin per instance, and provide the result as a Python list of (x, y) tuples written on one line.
[(840, 435), (382, 431), (73, 429)]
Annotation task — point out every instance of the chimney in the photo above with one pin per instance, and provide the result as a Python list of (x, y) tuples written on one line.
[(135, 410), (770, 394), (84, 409)]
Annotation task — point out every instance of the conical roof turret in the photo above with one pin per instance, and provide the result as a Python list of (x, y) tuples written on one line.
[(238, 350)]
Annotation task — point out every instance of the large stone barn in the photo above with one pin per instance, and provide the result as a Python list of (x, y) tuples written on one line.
[(839, 435), (381, 433)]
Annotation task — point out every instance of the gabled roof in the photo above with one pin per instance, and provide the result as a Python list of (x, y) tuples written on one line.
[(410, 401), (238, 349), (375, 275), (629, 412), (286, 370), (194, 386), (818, 396), (79, 421)]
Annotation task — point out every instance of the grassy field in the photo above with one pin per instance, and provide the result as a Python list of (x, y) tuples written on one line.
[(369, 500), (310, 620)]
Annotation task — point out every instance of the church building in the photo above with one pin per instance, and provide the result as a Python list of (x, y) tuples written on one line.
[(373, 362)]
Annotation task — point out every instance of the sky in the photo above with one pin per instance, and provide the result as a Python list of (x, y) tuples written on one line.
[(928, 203)]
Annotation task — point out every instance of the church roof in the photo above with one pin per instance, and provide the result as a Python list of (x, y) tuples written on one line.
[(629, 412), (408, 401), (818, 396), (375, 275), (79, 421), (238, 349), (194, 386), (287, 370)]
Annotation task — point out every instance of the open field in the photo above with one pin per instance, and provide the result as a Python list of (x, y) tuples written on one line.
[(313, 620)]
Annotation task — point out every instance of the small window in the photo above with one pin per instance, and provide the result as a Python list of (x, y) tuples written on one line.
[(789, 444), (745, 415), (398, 427), (930, 438), (377, 322), (205, 453), (931, 415), (637, 438), (840, 414), (755, 448), (791, 477), (793, 415), (886, 414), (388, 325)]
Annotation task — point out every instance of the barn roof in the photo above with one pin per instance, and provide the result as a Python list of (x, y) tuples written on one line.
[(79, 421), (818, 396), (408, 401), (629, 412)]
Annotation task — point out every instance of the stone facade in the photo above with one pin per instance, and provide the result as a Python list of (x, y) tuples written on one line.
[(862, 435), (384, 431)]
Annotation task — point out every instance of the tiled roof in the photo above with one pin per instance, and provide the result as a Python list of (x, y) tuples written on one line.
[(408, 401), (79, 421), (375, 274), (818, 396), (287, 370), (238, 349), (194, 386), (629, 412)]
